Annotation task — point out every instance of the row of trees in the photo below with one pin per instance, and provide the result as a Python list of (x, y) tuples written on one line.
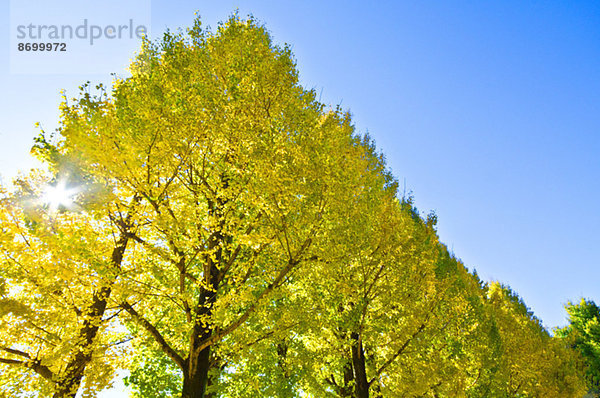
[(211, 227)]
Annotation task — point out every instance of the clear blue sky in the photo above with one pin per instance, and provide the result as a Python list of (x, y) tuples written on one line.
[(490, 111)]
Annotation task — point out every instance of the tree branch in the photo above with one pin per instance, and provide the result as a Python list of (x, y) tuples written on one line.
[(276, 282), (164, 346), (16, 352), (12, 362), (398, 353), (33, 364)]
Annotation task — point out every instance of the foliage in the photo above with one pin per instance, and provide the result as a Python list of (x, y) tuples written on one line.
[(583, 333), (244, 241), (58, 268)]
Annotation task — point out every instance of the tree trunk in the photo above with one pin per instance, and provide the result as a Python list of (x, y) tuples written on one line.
[(361, 385), (70, 379), (282, 350), (195, 378), (198, 363)]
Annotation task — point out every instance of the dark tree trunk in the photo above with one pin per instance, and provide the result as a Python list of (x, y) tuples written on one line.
[(358, 363), (346, 390), (69, 380), (198, 363), (195, 378), (282, 350)]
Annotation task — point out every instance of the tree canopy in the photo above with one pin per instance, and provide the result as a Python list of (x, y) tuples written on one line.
[(222, 233), (583, 333)]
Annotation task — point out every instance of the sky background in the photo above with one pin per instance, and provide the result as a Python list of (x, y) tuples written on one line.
[(488, 112)]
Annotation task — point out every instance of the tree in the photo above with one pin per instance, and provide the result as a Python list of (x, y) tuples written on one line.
[(242, 173), (583, 334), (526, 361), (252, 243), (56, 278)]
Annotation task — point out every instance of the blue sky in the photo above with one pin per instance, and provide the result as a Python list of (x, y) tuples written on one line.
[(488, 111)]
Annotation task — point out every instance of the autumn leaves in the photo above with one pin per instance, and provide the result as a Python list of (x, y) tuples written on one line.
[(237, 239)]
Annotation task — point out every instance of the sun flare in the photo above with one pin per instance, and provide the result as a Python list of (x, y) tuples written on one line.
[(58, 195)]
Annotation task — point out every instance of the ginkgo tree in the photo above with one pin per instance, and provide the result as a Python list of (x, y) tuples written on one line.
[(583, 334), (243, 240), (58, 270), (243, 172), (515, 356)]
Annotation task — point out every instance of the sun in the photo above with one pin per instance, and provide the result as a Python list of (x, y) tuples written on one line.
[(58, 195)]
